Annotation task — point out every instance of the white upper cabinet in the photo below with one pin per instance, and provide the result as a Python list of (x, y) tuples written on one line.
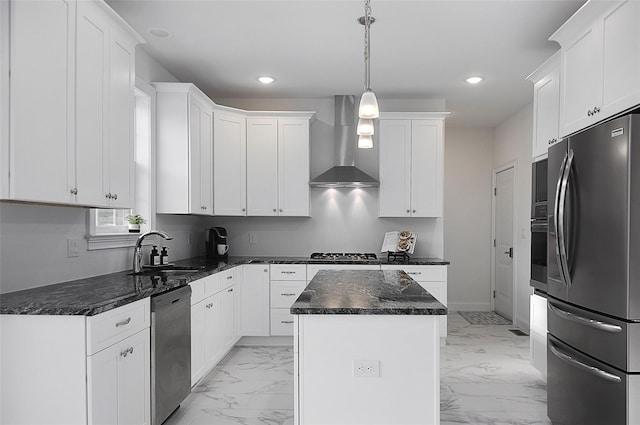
[(600, 63), (185, 143), (76, 61), (411, 165), (229, 163), (546, 106), (278, 166)]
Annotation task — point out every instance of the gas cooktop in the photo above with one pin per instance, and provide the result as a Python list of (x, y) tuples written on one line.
[(343, 256)]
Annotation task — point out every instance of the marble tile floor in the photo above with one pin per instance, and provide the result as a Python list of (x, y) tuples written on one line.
[(486, 378)]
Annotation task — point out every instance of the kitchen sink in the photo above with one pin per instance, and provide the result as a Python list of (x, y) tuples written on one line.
[(169, 270)]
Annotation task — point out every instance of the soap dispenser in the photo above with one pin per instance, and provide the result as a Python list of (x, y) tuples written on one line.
[(164, 256), (154, 258)]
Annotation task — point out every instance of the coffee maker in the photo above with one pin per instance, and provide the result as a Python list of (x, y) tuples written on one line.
[(216, 236)]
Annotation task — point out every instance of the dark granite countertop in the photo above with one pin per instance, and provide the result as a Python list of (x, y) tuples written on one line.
[(388, 292), (94, 295)]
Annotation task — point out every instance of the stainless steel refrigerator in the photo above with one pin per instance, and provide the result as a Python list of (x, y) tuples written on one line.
[(593, 350)]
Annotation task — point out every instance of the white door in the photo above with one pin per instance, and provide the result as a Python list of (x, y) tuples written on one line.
[(504, 243)]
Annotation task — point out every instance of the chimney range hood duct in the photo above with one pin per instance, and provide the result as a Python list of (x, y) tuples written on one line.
[(344, 173)]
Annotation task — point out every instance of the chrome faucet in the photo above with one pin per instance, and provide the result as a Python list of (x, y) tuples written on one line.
[(137, 250)]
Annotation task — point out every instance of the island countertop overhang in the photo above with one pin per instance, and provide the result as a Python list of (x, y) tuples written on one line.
[(366, 292)]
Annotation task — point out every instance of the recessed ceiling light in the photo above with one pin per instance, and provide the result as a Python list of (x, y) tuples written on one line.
[(474, 80), (266, 80), (159, 32)]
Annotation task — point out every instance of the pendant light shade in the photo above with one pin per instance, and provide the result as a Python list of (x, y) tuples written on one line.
[(369, 105), (365, 142), (365, 127)]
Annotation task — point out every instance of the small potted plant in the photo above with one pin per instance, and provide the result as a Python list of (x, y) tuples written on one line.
[(135, 221)]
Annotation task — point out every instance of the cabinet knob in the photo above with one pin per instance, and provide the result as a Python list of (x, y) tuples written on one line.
[(230, 290), (108, 196), (124, 353), (274, 210), (266, 270), (414, 211), (115, 196), (74, 191), (596, 110), (280, 209), (244, 209), (408, 211)]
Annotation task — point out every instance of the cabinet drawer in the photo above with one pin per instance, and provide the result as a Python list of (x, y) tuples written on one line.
[(281, 322), (227, 278), (115, 325), (421, 273), (212, 285), (197, 290), (288, 272), (284, 293)]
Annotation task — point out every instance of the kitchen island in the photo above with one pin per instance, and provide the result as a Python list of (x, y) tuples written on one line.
[(366, 350)]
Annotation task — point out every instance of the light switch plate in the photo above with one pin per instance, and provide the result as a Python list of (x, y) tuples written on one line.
[(73, 248), (253, 238)]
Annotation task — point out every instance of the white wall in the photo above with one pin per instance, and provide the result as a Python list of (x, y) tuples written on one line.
[(512, 142), (467, 211)]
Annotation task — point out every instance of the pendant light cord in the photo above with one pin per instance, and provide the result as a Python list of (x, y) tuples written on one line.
[(367, 45)]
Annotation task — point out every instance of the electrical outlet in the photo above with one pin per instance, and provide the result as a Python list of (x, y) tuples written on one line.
[(189, 238), (366, 368), (73, 248), (253, 238)]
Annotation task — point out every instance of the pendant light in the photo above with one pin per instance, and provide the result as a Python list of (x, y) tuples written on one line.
[(368, 102), (368, 109)]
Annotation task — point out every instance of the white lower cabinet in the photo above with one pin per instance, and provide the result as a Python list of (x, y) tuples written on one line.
[(77, 369), (118, 382), (213, 334), (433, 279), (287, 283), (254, 304)]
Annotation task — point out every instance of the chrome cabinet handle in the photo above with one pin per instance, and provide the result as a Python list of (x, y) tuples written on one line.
[(229, 277), (74, 191), (230, 290), (127, 351), (589, 369), (287, 272), (596, 324), (287, 294), (286, 322), (108, 196), (115, 196), (589, 113), (415, 273), (596, 110), (124, 322)]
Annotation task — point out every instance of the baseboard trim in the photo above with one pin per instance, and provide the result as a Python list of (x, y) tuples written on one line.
[(453, 306)]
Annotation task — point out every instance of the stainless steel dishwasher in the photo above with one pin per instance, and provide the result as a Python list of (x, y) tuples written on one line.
[(170, 352)]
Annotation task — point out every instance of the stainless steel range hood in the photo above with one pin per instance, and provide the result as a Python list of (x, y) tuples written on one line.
[(344, 173)]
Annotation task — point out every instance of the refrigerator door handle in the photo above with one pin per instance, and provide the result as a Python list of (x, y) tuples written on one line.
[(596, 324), (589, 369), (556, 206), (564, 263)]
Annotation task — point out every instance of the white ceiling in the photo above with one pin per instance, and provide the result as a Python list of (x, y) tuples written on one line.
[(314, 48)]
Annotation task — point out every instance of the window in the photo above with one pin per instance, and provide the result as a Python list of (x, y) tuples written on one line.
[(108, 228)]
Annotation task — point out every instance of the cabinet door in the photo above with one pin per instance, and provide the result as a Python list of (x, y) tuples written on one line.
[(254, 304), (395, 172), (621, 59), (229, 164), (293, 167), (213, 339), (262, 167), (92, 150), (119, 382), (546, 100), (42, 67), (227, 320), (206, 160), (198, 367), (581, 80), (121, 162), (195, 163), (427, 163)]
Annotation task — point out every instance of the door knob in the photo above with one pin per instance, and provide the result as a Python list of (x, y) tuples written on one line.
[(509, 252)]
